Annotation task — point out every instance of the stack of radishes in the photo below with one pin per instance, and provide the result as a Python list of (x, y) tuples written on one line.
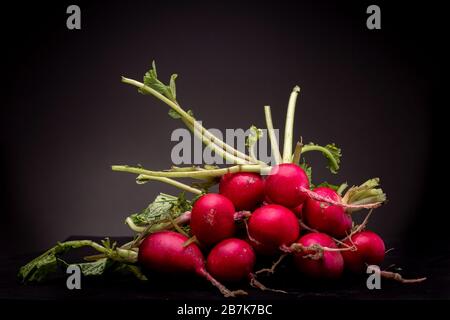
[(281, 214), (273, 229), (260, 210)]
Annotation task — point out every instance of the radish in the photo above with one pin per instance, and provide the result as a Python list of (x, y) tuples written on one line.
[(231, 260), (298, 210), (285, 183), (244, 189), (212, 218), (323, 217), (370, 250), (329, 265), (165, 252), (271, 227)]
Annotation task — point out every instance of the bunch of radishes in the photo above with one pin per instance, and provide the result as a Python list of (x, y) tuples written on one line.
[(260, 210), (273, 229), (282, 214)]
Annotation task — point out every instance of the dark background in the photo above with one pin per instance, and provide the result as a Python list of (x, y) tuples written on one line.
[(65, 116)]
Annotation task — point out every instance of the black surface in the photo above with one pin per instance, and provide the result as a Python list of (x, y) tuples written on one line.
[(189, 289)]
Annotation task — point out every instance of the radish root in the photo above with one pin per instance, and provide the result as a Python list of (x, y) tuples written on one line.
[(226, 292), (271, 270), (398, 277), (256, 284)]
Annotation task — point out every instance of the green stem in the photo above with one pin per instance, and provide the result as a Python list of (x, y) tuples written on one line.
[(272, 137), (324, 150), (230, 157), (172, 182), (289, 127), (297, 153), (85, 243), (252, 153), (341, 188), (133, 226), (188, 118), (203, 174)]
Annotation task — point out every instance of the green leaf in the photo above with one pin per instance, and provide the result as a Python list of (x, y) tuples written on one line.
[(253, 137), (134, 270), (45, 264), (173, 114), (366, 193), (330, 151), (95, 268), (151, 80), (328, 185), (158, 210), (172, 85), (336, 152), (308, 171)]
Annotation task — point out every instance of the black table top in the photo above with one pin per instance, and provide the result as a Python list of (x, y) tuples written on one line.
[(171, 288)]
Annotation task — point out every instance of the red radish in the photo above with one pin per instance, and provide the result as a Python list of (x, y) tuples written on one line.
[(298, 210), (370, 250), (323, 217), (244, 189), (165, 252), (212, 218), (267, 200), (285, 183), (329, 266), (271, 227), (231, 260)]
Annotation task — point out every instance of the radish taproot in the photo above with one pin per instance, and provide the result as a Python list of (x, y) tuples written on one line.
[(244, 189), (272, 226), (285, 183), (324, 217), (212, 219), (370, 250), (329, 265), (166, 252)]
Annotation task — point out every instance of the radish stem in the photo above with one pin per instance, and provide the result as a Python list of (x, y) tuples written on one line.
[(289, 127), (197, 174), (187, 118), (272, 137), (324, 150), (297, 153), (172, 182), (232, 158)]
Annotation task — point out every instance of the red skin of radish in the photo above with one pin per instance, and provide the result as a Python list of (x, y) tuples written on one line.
[(231, 260), (298, 210), (212, 219), (370, 250), (164, 252), (330, 266), (283, 185), (323, 217), (271, 227), (244, 189)]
